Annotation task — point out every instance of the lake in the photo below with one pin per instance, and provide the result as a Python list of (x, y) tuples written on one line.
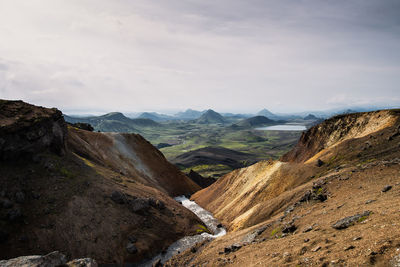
[(284, 127)]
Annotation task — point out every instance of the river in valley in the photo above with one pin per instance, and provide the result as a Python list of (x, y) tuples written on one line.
[(188, 242)]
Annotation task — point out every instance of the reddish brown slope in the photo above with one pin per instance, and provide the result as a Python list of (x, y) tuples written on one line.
[(132, 156)]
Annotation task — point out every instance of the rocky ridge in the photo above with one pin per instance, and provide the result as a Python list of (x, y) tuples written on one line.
[(85, 194)]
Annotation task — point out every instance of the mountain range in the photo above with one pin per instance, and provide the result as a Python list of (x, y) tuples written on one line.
[(114, 122)]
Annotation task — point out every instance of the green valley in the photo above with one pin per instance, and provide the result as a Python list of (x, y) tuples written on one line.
[(210, 143)]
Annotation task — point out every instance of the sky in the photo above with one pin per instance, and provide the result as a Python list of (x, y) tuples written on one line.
[(87, 56)]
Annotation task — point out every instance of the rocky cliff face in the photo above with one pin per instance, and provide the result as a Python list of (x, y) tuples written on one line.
[(103, 196), (26, 130)]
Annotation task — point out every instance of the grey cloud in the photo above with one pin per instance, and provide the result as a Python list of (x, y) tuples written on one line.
[(230, 55)]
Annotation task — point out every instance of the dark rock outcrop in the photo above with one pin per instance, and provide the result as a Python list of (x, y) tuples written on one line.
[(232, 248), (350, 220), (26, 130)]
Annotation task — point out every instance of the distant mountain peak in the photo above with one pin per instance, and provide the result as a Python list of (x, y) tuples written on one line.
[(189, 114), (265, 112), (210, 116), (310, 117), (115, 115)]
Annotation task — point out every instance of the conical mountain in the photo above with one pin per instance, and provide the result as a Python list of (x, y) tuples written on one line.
[(210, 116), (265, 112)]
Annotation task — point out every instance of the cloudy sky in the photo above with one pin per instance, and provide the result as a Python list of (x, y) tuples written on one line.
[(230, 55)]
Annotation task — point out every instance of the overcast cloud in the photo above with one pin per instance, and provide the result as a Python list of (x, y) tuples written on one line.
[(230, 55)]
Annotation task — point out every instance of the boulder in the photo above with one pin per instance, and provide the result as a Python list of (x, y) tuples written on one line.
[(386, 188), (232, 248), (350, 220), (289, 228), (131, 248), (50, 260), (118, 197), (140, 205), (86, 262)]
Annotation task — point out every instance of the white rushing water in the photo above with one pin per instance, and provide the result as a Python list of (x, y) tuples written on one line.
[(188, 242)]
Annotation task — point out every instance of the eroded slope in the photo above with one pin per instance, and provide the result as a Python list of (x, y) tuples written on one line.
[(132, 156)]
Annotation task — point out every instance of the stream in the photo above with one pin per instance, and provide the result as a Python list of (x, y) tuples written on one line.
[(188, 242)]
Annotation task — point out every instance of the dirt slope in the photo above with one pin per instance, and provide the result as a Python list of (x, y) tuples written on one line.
[(110, 203), (301, 198)]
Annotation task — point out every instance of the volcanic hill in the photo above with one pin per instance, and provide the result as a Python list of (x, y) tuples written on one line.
[(210, 117), (255, 121)]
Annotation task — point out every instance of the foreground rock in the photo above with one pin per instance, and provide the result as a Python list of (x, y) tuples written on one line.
[(50, 260)]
